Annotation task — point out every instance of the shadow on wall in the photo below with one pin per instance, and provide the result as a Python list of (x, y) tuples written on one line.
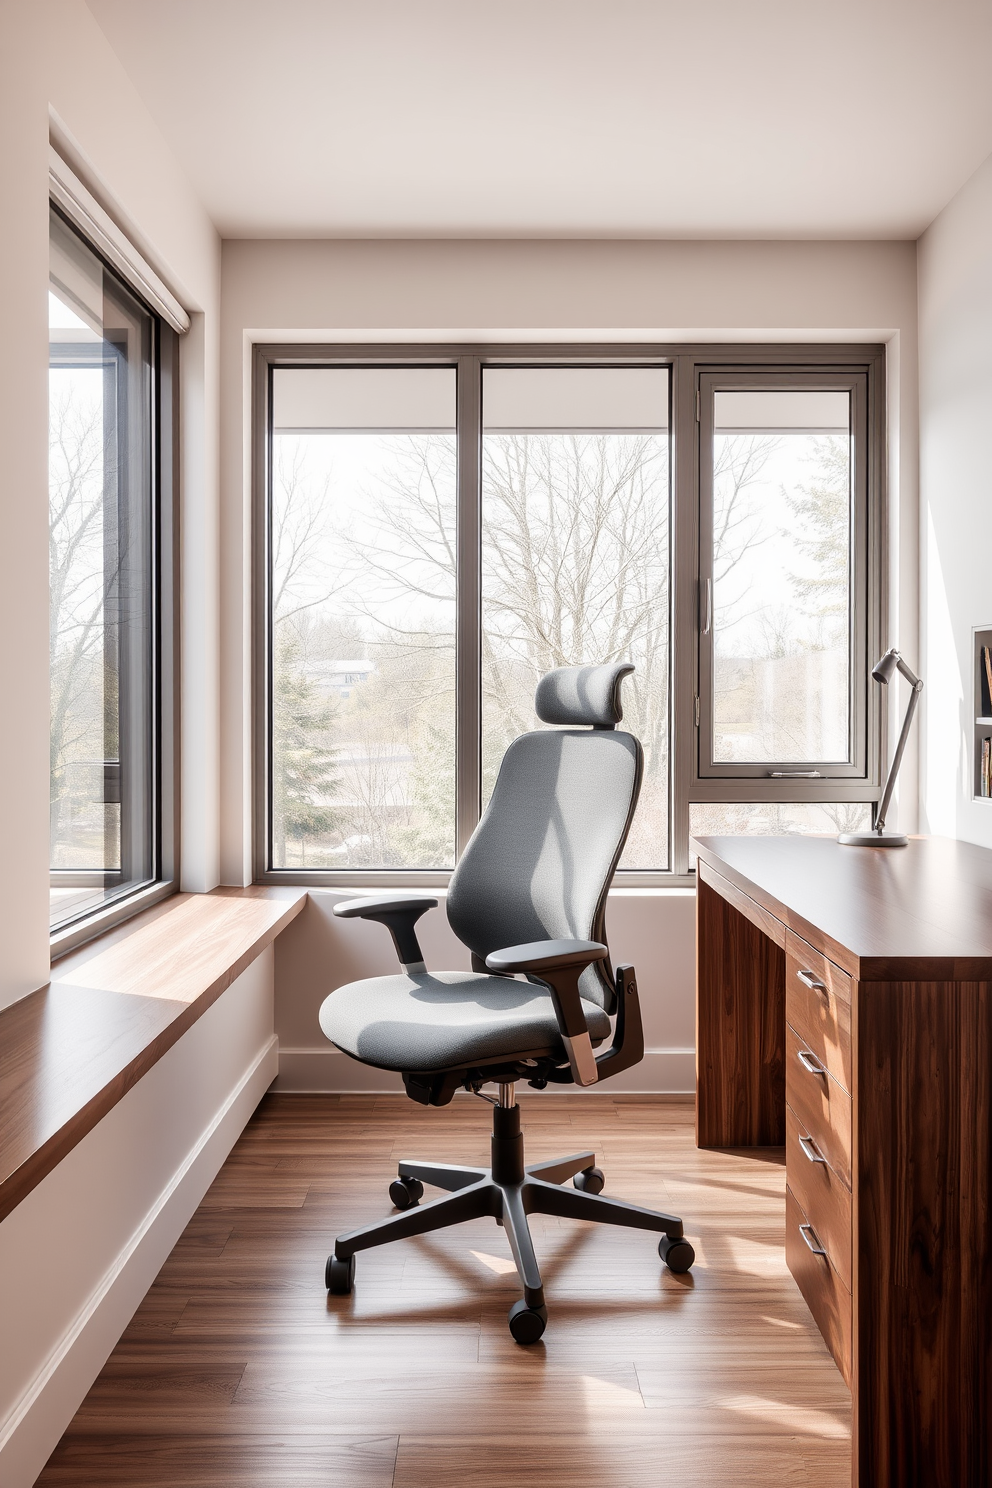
[(653, 929)]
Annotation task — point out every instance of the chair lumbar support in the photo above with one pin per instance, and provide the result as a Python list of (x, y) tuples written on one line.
[(540, 862), (508, 1191)]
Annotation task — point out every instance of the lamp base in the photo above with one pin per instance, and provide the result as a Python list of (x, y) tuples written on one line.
[(873, 839)]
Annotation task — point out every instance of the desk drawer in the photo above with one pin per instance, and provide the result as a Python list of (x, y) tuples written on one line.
[(827, 1298), (821, 1195), (815, 962), (818, 1006), (822, 1105)]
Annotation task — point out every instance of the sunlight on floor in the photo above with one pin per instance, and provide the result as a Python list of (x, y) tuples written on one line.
[(754, 1257), (803, 1419), (607, 1395), (502, 1265)]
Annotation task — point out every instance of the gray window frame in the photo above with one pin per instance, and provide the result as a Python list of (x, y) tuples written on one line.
[(855, 767), (164, 681), (688, 365)]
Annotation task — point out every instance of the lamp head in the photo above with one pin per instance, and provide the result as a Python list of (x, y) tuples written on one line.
[(885, 666)]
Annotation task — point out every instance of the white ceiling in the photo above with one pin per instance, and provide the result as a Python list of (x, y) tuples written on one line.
[(565, 118)]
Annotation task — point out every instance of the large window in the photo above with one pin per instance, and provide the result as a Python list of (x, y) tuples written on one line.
[(436, 531), (105, 381), (363, 618)]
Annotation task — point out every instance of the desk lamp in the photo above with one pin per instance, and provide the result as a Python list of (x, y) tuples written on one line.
[(878, 837)]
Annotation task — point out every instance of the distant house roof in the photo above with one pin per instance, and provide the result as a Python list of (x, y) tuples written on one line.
[(351, 666)]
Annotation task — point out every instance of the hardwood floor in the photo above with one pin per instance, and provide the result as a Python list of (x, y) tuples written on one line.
[(238, 1369)]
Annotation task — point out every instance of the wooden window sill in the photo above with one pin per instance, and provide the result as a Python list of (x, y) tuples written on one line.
[(71, 1050)]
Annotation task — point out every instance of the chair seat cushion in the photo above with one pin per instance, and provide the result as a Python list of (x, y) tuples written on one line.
[(446, 1020)]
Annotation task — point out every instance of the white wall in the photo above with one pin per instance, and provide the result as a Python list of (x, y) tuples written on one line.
[(78, 1254), (554, 291), (24, 504), (955, 289), (54, 56)]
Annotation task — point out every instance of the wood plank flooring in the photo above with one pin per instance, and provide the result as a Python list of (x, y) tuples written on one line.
[(238, 1371)]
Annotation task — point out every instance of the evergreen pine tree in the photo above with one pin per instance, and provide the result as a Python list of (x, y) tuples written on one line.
[(304, 777)]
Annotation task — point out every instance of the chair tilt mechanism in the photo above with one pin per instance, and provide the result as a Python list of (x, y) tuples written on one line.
[(528, 898)]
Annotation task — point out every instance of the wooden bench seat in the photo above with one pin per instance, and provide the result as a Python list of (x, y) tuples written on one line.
[(71, 1050)]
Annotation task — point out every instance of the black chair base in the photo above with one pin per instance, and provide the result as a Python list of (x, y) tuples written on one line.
[(509, 1192)]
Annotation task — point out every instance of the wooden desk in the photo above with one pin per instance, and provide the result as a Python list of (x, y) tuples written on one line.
[(844, 1008)]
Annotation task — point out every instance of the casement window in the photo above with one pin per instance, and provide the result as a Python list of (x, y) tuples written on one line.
[(436, 528), (111, 568)]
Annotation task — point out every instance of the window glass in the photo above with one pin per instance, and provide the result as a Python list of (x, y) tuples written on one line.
[(575, 556), (443, 526), (102, 815), (363, 618), (782, 545)]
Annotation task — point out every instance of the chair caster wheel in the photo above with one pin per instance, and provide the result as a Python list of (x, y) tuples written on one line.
[(590, 1180), (527, 1323), (405, 1192), (678, 1255), (339, 1276)]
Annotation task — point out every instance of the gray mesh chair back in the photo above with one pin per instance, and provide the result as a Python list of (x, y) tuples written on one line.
[(540, 862)]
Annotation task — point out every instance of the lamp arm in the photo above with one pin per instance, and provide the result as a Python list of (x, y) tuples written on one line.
[(890, 781), (907, 672)]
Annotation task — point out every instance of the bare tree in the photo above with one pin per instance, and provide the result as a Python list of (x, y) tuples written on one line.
[(575, 543), (77, 472), (822, 508), (774, 697), (299, 523), (739, 461)]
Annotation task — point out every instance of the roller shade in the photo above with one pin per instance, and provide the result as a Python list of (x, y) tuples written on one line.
[(85, 212)]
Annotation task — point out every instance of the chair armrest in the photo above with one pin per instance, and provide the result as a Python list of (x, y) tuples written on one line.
[(539, 955), (399, 917), (369, 909), (559, 964)]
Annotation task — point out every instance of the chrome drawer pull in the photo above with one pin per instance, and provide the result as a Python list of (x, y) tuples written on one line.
[(810, 1062), (813, 983), (809, 1148), (806, 1230)]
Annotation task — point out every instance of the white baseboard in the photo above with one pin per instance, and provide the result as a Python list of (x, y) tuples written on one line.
[(32, 1429), (311, 1071)]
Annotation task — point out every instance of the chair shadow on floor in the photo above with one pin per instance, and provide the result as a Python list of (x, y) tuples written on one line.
[(555, 1262)]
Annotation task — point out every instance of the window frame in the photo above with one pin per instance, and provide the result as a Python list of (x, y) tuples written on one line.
[(164, 679), (687, 364), (750, 379)]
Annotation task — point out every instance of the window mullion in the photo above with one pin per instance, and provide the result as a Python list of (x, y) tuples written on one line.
[(468, 621), (682, 728)]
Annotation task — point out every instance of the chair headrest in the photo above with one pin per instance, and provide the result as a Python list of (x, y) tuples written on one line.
[(582, 694)]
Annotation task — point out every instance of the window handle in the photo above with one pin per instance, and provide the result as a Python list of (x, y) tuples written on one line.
[(812, 1239), (706, 605), (810, 1062), (795, 775)]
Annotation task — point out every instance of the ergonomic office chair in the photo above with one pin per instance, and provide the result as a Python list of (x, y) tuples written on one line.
[(528, 896)]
